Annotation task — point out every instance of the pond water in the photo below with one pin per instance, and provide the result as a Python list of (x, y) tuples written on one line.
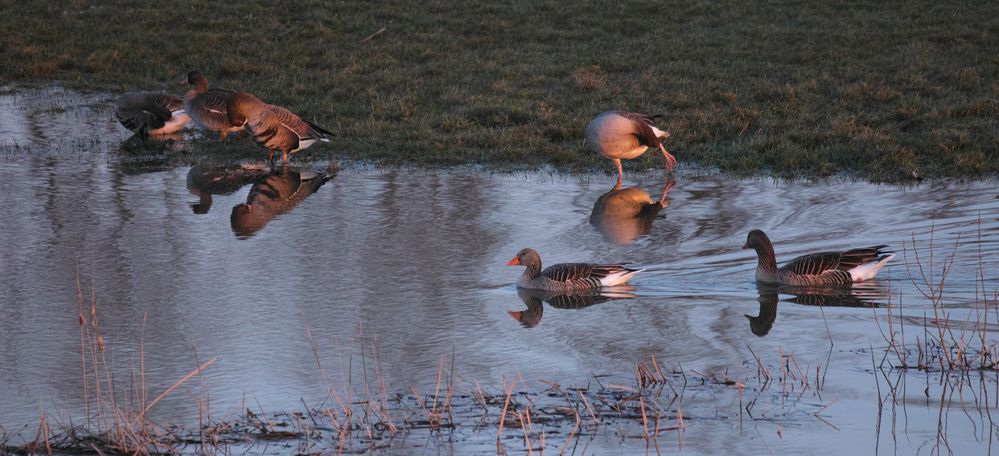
[(268, 271)]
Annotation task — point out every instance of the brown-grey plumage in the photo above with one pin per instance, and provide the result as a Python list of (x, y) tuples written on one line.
[(207, 107), (277, 193), (274, 127), (824, 268), (151, 113), (568, 276), (626, 135)]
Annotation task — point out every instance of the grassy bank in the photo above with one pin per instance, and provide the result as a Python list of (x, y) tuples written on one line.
[(880, 90)]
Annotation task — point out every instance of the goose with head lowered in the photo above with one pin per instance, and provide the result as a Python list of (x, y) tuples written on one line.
[(824, 268), (274, 128), (626, 135), (151, 113), (568, 276)]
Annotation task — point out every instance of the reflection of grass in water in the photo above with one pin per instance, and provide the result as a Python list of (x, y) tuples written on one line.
[(949, 350), (881, 89), (360, 413), (943, 345)]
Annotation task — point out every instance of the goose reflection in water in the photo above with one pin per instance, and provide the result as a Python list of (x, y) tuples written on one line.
[(531, 316), (622, 215), (856, 296), (204, 181), (276, 193)]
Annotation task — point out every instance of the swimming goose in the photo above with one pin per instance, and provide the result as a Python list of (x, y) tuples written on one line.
[(151, 113), (568, 276), (207, 107), (273, 127), (825, 268), (625, 135)]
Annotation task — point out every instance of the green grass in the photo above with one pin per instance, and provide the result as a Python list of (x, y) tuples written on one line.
[(880, 90)]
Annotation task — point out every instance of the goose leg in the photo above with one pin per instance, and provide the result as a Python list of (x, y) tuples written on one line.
[(284, 156), (670, 159), (620, 172), (669, 184)]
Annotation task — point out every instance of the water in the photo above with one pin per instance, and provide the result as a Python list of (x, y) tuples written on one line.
[(410, 264)]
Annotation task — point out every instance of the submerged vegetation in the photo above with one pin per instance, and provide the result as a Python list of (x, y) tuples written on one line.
[(883, 91)]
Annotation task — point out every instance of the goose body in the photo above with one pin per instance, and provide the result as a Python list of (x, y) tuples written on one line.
[(207, 107), (151, 113), (824, 268), (273, 127), (625, 135), (568, 276)]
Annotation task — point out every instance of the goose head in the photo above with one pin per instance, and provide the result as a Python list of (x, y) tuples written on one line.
[(525, 257)]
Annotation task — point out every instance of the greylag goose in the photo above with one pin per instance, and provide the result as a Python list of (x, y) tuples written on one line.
[(825, 268), (151, 113), (273, 127), (568, 276), (622, 215), (207, 107), (625, 135)]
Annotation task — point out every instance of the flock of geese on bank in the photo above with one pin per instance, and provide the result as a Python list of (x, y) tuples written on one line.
[(616, 135)]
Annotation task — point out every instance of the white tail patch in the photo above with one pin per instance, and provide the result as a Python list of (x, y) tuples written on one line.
[(619, 278), (659, 133), (868, 270)]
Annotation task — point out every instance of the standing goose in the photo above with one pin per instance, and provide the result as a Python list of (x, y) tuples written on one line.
[(825, 268), (625, 135), (151, 113), (273, 127), (207, 107), (568, 276)]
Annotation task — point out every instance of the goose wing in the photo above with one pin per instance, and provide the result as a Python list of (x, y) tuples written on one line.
[(643, 126), (301, 127), (581, 273)]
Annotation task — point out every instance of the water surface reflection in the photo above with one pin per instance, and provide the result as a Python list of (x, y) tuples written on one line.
[(622, 215), (533, 299)]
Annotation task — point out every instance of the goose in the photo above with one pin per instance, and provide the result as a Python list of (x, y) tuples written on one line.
[(151, 113), (568, 276), (625, 135), (207, 107), (273, 127), (825, 268)]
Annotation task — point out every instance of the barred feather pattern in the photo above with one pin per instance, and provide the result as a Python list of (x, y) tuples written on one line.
[(274, 127), (568, 276), (824, 268)]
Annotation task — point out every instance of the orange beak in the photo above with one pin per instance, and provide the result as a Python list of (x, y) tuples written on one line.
[(514, 262)]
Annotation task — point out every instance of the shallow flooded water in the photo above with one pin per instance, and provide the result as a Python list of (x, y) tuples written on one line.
[(268, 271)]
